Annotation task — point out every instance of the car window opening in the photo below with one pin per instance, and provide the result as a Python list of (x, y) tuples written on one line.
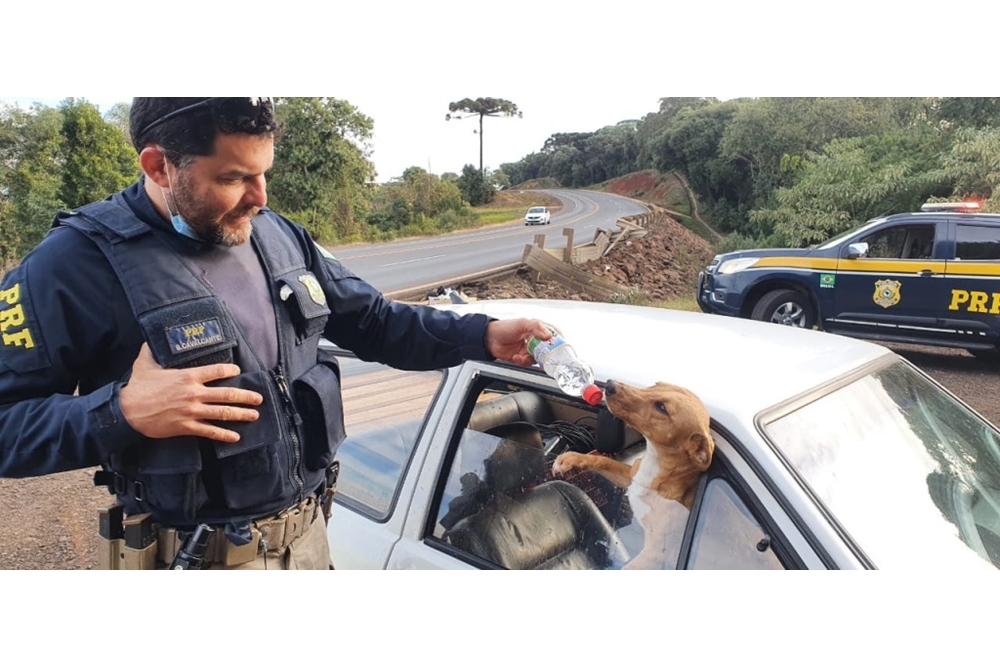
[(503, 505)]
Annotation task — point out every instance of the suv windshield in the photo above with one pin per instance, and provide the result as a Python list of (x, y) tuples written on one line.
[(908, 471), (832, 243)]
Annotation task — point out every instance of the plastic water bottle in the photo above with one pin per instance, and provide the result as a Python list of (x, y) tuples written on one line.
[(559, 360)]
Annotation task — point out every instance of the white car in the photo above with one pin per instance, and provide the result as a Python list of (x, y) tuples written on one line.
[(537, 215), (831, 453)]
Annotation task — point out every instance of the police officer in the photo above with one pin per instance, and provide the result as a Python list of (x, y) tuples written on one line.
[(170, 335)]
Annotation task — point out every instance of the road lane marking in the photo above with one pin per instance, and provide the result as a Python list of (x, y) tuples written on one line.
[(411, 261)]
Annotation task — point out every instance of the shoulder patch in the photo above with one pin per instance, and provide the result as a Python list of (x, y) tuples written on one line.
[(13, 329), (20, 341)]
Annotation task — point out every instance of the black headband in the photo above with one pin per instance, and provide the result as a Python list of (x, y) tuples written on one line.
[(243, 113)]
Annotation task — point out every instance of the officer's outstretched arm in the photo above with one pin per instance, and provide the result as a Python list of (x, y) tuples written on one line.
[(167, 402)]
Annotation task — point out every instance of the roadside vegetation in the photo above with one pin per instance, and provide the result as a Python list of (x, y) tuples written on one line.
[(740, 173), (60, 158), (792, 171), (683, 303)]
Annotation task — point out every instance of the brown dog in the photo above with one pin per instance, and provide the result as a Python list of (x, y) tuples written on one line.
[(661, 485)]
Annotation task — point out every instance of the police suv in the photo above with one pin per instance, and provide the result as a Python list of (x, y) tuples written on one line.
[(931, 277)]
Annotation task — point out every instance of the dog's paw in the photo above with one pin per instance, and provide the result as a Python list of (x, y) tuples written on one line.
[(566, 463)]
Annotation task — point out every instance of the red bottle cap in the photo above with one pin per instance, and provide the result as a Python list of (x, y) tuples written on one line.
[(593, 394)]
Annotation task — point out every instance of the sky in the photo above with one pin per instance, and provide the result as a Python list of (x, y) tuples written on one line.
[(569, 67)]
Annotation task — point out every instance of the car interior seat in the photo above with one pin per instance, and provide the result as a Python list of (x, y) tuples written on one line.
[(519, 406), (553, 525)]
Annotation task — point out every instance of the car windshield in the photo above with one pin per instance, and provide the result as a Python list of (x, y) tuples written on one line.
[(835, 241), (536, 209), (908, 471)]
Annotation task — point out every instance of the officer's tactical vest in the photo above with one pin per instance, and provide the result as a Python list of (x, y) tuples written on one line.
[(281, 457)]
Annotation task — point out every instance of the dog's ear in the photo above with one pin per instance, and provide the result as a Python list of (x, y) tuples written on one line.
[(700, 448)]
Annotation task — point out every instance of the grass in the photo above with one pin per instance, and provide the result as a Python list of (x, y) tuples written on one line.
[(634, 297), (688, 303), (490, 216)]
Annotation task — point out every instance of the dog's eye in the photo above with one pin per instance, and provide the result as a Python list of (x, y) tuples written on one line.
[(661, 407)]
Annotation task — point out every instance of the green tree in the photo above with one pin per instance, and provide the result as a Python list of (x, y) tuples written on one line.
[(419, 201), (474, 187), (118, 115), (31, 161), (532, 166), (968, 111), (52, 159), (322, 170), (499, 180), (98, 160), (481, 107), (856, 179), (690, 144), (973, 165), (654, 124)]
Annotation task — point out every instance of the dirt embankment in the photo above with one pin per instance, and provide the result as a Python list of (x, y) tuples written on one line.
[(661, 266)]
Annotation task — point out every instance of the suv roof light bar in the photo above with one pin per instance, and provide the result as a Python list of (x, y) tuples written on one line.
[(958, 206)]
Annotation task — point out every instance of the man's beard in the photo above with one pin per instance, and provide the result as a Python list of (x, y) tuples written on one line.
[(209, 224)]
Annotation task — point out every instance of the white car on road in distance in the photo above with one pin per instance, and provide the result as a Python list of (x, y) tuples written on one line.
[(537, 215), (830, 453)]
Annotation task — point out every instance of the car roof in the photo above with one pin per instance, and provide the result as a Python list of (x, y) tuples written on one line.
[(979, 216), (734, 365)]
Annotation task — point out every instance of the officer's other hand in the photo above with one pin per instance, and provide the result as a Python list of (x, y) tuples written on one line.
[(167, 402), (507, 339)]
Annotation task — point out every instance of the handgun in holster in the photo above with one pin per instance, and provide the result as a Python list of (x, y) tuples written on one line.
[(111, 538), (326, 502), (191, 555)]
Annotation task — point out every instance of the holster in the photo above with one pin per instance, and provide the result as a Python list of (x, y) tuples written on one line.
[(326, 502), (110, 538), (139, 551), (125, 543)]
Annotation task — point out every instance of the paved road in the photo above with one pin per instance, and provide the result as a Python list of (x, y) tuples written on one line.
[(440, 260)]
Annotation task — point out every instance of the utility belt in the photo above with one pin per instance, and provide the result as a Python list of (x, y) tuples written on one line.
[(138, 543)]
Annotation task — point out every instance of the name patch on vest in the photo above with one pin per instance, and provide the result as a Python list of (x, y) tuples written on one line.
[(194, 335)]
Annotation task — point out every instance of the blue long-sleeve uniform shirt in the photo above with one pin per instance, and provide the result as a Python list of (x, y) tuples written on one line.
[(69, 339)]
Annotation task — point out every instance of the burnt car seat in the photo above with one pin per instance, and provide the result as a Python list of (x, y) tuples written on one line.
[(548, 526), (520, 406)]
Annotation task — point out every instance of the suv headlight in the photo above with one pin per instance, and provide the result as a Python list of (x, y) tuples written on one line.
[(734, 265)]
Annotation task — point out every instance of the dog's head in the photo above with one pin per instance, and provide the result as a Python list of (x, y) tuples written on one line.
[(672, 418)]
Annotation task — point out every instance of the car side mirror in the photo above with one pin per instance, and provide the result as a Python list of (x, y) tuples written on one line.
[(855, 250)]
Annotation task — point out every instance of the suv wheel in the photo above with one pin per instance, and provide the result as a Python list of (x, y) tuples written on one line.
[(785, 306)]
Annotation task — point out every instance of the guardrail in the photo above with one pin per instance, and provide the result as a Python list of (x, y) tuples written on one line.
[(420, 292), (557, 264), (632, 226)]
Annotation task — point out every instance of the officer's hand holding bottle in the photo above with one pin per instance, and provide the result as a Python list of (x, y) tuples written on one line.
[(505, 339)]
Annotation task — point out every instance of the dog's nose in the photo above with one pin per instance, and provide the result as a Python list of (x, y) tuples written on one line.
[(610, 388)]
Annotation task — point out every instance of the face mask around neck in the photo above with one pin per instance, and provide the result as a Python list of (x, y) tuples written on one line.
[(176, 219)]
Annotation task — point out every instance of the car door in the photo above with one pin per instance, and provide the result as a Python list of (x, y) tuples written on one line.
[(388, 415), (973, 282), (428, 485), (487, 498), (897, 287)]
